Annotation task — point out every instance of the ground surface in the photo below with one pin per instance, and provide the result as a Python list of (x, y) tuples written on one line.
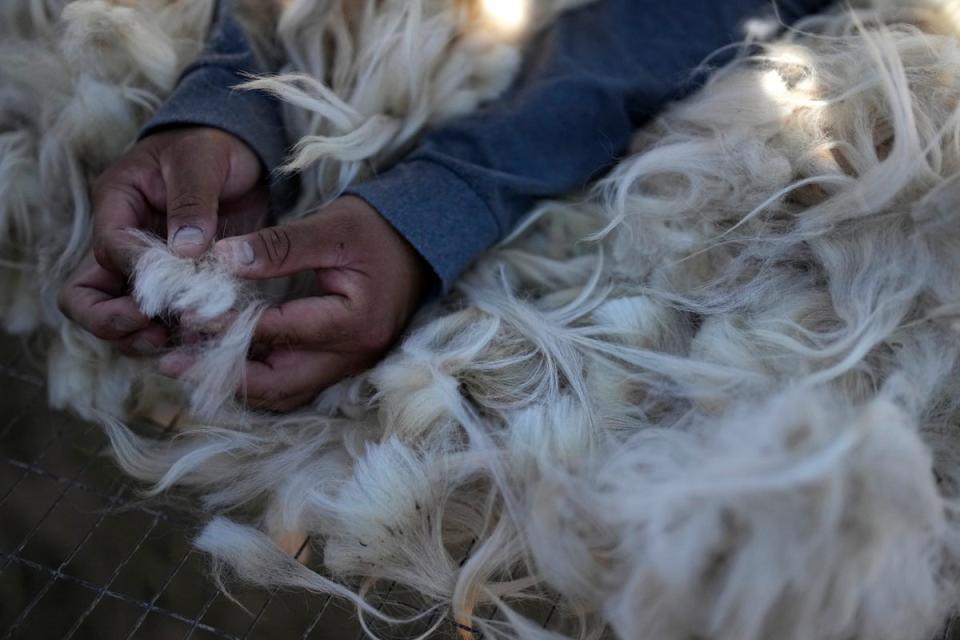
[(83, 556)]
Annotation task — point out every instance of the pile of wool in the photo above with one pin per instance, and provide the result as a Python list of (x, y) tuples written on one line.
[(77, 81), (716, 396)]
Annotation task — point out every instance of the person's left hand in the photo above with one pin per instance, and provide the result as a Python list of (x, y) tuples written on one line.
[(370, 281), (189, 184)]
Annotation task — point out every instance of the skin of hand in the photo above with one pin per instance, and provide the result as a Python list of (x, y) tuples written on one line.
[(369, 279), (191, 185)]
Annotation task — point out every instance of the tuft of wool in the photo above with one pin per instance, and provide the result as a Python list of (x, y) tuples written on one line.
[(251, 556), (165, 283), (379, 533), (217, 375), (803, 517), (95, 25), (200, 293)]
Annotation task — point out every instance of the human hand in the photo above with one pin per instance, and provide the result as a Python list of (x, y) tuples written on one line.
[(190, 185), (370, 281)]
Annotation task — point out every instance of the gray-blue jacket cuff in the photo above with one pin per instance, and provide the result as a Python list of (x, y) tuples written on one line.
[(436, 211), (206, 97)]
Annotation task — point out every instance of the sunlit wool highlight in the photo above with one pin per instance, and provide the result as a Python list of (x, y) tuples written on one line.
[(715, 396), (507, 16)]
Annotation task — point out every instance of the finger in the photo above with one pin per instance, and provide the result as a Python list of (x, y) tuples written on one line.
[(118, 209), (105, 317), (285, 250), (312, 323), (192, 322), (175, 364), (245, 214), (284, 381), (287, 379), (273, 252), (286, 405), (194, 176), (148, 342), (94, 299)]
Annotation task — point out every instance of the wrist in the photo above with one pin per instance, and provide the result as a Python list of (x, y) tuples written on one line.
[(423, 278)]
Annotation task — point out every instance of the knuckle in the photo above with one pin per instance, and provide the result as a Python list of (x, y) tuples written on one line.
[(101, 252), (348, 227), (272, 405), (100, 184), (112, 176), (107, 196), (298, 400), (261, 392), (274, 396), (289, 406), (120, 177), (269, 399), (65, 302), (276, 244), (196, 135), (100, 327), (207, 141), (378, 337), (278, 330), (283, 336), (129, 351), (184, 204), (111, 254), (185, 144)]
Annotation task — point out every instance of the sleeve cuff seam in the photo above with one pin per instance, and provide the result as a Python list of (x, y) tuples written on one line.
[(413, 160)]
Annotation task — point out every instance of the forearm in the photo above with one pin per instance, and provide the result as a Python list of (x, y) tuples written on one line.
[(588, 83)]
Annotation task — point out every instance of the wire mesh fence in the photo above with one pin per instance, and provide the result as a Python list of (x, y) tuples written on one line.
[(83, 555)]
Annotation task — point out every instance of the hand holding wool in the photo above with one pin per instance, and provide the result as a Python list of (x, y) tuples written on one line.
[(189, 185), (369, 281)]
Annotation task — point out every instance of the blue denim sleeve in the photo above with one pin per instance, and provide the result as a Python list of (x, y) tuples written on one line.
[(588, 82), (205, 94)]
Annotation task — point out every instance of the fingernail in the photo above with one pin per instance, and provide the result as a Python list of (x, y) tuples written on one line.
[(187, 237), (239, 253), (143, 346)]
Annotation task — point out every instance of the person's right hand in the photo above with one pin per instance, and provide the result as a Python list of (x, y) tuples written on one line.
[(191, 185)]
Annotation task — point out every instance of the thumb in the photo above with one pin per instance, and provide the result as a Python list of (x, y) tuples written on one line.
[(274, 252), (194, 177)]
